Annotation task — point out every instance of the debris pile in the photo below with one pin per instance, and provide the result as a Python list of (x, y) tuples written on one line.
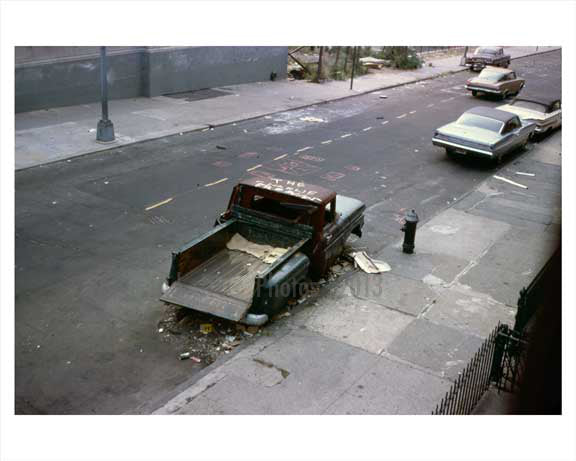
[(201, 338)]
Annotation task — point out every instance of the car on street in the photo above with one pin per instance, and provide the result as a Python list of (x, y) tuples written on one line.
[(487, 56), (484, 132), (544, 110), (274, 233), (496, 81)]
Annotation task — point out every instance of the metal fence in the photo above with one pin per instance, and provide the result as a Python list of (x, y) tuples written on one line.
[(473, 382), (500, 362), (432, 49)]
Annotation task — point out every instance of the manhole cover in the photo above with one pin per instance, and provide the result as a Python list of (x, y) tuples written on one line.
[(197, 95)]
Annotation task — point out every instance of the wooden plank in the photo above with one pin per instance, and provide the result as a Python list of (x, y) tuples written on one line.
[(206, 301)]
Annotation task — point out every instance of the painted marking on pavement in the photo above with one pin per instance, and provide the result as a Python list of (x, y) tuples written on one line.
[(304, 148), (402, 116), (280, 156), (412, 112), (367, 129), (346, 135), (384, 122), (156, 205), (326, 142), (254, 167), (215, 182)]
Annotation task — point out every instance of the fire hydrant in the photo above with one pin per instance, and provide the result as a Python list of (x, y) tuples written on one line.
[(409, 229)]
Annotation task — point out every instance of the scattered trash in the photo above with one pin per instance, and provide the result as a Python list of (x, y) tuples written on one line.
[(312, 119), (380, 118), (106, 182), (252, 329), (184, 356), (91, 130), (206, 328), (221, 147), (369, 265), (54, 202), (160, 330), (511, 182), (383, 96), (525, 174)]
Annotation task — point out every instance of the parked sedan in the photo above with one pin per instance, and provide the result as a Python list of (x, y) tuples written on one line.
[(544, 111), (484, 132), (488, 56), (493, 80)]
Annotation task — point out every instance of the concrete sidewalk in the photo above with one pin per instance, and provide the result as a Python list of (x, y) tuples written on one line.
[(62, 133), (393, 343)]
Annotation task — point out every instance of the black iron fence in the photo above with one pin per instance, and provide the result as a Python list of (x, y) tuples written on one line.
[(499, 362), (473, 382), (501, 359)]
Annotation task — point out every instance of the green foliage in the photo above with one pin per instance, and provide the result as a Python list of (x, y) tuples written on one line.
[(402, 57)]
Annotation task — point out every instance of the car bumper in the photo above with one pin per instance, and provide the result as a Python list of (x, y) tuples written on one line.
[(461, 148), (481, 89)]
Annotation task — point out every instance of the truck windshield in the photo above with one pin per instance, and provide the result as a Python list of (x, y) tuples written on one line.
[(479, 121)]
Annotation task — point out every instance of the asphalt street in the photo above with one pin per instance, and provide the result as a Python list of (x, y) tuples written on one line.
[(94, 234)]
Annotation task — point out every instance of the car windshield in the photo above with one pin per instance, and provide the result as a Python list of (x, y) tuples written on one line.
[(479, 121), (531, 105), (485, 51), (490, 75)]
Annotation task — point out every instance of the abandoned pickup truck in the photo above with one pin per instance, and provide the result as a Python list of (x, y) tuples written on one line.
[(273, 235)]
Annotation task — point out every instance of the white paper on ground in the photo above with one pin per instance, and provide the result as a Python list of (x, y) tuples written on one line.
[(369, 265)]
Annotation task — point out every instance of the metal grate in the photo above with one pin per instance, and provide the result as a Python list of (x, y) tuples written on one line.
[(198, 95)]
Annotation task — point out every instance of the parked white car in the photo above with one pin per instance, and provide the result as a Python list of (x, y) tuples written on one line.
[(544, 111)]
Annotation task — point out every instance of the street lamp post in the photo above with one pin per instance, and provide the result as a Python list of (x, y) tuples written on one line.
[(354, 53), (105, 130)]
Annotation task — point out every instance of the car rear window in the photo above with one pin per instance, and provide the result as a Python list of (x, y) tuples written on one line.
[(490, 75), (485, 51), (479, 121), (531, 105)]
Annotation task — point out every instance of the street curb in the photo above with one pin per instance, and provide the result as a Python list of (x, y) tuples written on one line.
[(240, 120)]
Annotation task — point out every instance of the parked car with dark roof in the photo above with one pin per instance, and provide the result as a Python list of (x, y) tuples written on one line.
[(496, 81), (488, 56), (484, 132), (544, 110)]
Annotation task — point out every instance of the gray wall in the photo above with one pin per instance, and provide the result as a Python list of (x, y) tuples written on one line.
[(61, 76)]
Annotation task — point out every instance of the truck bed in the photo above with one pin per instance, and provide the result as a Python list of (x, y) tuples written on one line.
[(228, 272), (222, 285)]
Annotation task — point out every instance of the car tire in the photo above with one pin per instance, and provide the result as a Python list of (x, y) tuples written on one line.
[(474, 93), (449, 152), (505, 95)]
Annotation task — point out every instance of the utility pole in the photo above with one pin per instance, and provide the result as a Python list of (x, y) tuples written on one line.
[(105, 129), (319, 72), (354, 56)]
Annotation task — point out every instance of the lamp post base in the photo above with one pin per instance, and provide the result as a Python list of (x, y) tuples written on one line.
[(105, 131)]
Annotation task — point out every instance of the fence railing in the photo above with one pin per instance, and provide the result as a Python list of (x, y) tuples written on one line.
[(473, 382), (499, 362)]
